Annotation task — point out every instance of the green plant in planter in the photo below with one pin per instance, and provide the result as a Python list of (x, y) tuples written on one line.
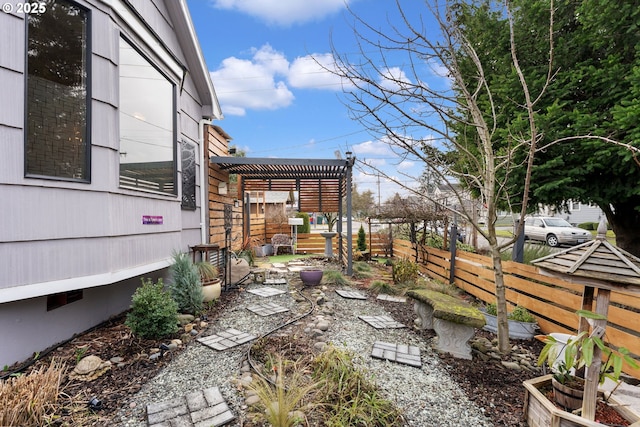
[(578, 354), (519, 314), (207, 271)]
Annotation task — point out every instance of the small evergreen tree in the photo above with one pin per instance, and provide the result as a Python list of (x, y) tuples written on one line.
[(185, 286), (362, 242), (305, 227)]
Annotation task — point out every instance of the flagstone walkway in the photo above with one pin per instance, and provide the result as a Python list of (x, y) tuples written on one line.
[(208, 408)]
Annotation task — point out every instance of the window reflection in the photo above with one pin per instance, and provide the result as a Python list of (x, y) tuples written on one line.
[(147, 149), (56, 142)]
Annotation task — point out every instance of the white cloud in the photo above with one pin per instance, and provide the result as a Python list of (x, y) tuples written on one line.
[(372, 147), (394, 78), (406, 164), (283, 12), (311, 71), (256, 83)]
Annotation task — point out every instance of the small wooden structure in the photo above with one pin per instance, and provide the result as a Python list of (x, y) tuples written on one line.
[(596, 265), (321, 184)]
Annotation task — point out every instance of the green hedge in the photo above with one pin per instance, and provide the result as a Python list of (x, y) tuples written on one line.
[(305, 227)]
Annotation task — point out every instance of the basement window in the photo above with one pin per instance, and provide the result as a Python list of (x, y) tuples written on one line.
[(58, 300)]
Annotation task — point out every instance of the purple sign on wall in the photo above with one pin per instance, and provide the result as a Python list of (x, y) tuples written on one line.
[(152, 219)]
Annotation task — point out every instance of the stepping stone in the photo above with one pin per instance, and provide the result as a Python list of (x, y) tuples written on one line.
[(296, 264), (267, 309), (350, 294), (206, 407), (399, 353), (278, 265), (295, 269), (382, 322), (275, 281), (226, 339), (267, 291), (392, 298)]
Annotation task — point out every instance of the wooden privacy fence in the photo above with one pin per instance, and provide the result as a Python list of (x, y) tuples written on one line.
[(313, 243), (553, 301)]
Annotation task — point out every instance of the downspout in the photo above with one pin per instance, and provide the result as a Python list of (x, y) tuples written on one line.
[(203, 182)]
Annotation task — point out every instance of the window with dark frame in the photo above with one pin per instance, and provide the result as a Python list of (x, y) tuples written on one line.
[(57, 121), (58, 300), (147, 124), (188, 155)]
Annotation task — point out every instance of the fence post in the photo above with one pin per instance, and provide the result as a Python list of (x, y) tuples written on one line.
[(517, 253), (452, 248)]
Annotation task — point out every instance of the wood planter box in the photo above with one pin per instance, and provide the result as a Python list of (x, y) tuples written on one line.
[(540, 412)]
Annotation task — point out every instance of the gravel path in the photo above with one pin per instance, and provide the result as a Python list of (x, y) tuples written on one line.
[(427, 395)]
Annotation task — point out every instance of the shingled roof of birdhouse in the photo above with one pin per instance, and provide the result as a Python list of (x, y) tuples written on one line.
[(596, 260)]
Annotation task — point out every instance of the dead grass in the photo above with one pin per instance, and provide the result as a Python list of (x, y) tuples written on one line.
[(30, 400)]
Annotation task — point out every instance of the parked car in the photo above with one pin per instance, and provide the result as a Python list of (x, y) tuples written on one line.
[(554, 231), (462, 234)]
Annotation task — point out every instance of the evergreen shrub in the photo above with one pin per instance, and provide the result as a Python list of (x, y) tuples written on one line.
[(185, 286), (362, 242), (154, 313)]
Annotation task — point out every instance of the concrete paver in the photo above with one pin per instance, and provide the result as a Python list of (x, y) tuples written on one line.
[(267, 291), (399, 353), (344, 293), (226, 339), (392, 298), (197, 409), (382, 322), (267, 309)]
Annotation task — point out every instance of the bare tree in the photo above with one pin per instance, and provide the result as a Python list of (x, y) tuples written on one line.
[(418, 121)]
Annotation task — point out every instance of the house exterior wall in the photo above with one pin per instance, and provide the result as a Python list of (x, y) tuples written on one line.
[(579, 213), (218, 146), (58, 236)]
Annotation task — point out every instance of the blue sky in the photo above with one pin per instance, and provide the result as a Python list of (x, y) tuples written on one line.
[(276, 101)]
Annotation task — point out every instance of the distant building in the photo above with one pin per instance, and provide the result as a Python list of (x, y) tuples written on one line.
[(456, 197), (578, 213)]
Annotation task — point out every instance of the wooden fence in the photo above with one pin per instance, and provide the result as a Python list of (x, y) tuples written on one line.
[(553, 301)]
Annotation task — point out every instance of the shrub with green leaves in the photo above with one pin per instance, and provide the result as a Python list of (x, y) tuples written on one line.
[(404, 270), (185, 286), (154, 314)]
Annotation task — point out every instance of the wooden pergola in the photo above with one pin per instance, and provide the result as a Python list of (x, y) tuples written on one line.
[(321, 184)]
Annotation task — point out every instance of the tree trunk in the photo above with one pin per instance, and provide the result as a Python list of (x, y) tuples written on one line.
[(501, 301), (626, 225)]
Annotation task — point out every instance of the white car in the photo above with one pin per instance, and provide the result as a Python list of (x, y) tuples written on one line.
[(554, 231)]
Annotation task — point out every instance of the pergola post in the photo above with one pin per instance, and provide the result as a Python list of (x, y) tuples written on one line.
[(350, 161), (339, 223)]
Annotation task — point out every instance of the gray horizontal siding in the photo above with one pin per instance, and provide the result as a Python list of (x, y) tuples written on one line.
[(12, 42), (56, 230), (12, 103)]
